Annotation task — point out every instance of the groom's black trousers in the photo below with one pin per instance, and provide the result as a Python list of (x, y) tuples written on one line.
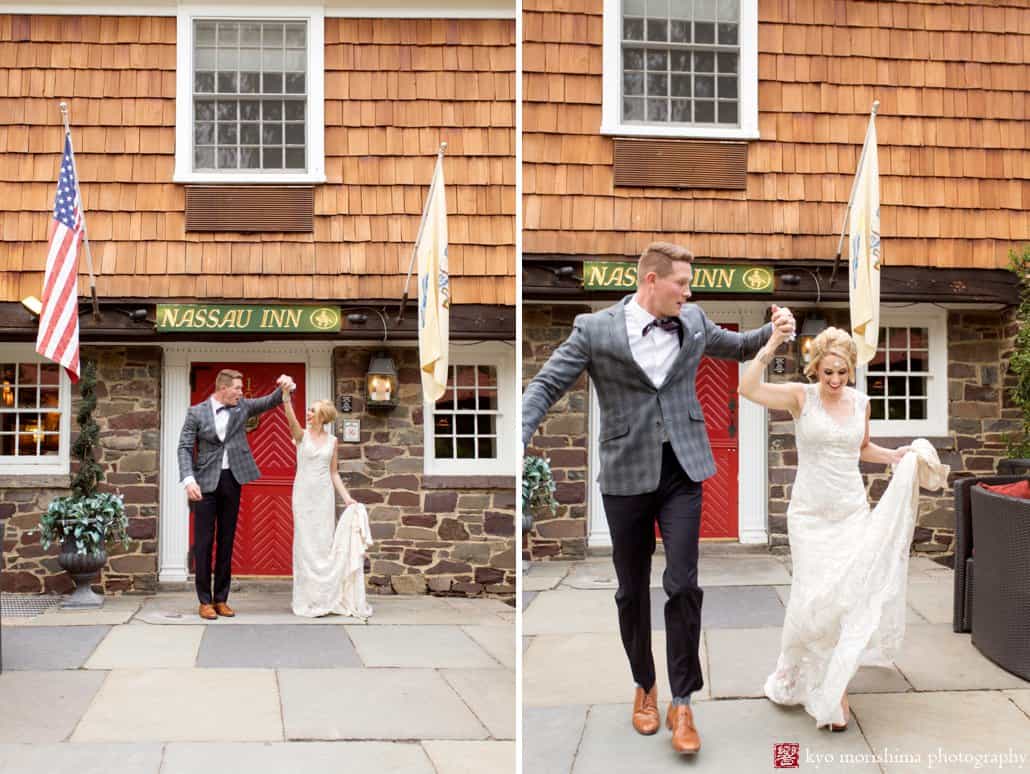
[(676, 505), (218, 508)]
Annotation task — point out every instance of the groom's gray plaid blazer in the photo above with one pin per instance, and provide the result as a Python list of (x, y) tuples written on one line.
[(636, 417), (199, 428)]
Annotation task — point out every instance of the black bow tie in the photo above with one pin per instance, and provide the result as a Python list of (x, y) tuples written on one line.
[(669, 324), (221, 409)]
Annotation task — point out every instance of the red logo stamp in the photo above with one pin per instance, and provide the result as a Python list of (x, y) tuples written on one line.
[(786, 755)]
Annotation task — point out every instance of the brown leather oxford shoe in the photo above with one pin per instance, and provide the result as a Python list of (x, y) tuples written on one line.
[(645, 711), (680, 721), (223, 609), (207, 612)]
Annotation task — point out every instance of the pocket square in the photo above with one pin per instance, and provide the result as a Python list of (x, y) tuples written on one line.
[(697, 335)]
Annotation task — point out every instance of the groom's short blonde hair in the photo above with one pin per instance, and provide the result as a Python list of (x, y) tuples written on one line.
[(659, 258), (226, 377)]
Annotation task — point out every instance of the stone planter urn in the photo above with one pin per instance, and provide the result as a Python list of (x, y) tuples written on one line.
[(83, 568)]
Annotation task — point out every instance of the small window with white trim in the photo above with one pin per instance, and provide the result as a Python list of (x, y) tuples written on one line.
[(906, 380), (250, 98), (469, 428), (34, 408), (681, 68)]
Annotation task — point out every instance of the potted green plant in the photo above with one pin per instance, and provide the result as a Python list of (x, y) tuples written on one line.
[(86, 520), (1019, 366), (537, 488)]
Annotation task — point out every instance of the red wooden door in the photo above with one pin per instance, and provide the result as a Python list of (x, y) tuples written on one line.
[(264, 531), (717, 382)]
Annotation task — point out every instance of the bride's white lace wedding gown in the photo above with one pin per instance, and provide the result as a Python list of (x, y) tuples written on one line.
[(847, 597), (328, 557)]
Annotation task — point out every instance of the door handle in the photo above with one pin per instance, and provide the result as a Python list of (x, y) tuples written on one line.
[(732, 429)]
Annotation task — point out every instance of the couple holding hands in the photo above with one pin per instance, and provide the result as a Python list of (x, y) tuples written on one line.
[(215, 461), (847, 599)]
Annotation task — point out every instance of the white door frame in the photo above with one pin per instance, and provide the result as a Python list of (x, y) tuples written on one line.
[(174, 520), (753, 501)]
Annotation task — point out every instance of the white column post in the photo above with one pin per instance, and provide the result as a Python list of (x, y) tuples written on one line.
[(173, 543), (753, 476)]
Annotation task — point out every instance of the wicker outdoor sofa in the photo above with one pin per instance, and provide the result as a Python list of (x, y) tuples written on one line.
[(992, 572)]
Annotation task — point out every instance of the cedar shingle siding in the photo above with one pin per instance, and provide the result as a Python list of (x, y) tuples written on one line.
[(954, 167), (395, 88)]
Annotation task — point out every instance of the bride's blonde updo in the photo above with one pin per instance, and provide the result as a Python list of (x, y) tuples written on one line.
[(833, 341), (325, 412)]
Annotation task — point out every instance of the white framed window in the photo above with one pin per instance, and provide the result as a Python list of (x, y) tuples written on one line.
[(35, 401), (471, 429), (907, 379), (680, 68), (250, 96)]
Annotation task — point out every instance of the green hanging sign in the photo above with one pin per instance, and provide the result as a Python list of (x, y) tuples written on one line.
[(708, 278), (246, 318)]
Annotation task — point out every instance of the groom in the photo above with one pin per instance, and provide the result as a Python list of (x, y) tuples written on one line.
[(224, 463), (642, 356)]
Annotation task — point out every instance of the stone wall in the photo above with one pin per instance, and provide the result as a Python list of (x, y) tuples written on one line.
[(562, 438), (128, 413), (436, 534)]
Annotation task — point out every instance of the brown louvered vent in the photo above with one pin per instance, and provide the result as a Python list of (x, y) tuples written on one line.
[(680, 163), (250, 208)]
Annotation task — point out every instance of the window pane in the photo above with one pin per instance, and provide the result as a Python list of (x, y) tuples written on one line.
[(634, 8), (7, 445), (898, 361), (465, 424), (295, 83), (272, 134), (727, 112), (250, 110), (917, 409), (227, 83), (487, 400), (486, 376), (295, 158), (296, 35), (465, 448), (704, 86), (681, 111), (271, 59), (657, 85), (227, 134), (250, 158), (272, 110), (728, 63), (204, 110), (204, 83), (272, 158), (681, 85), (657, 110), (729, 10), (28, 373), (704, 62), (205, 33), (487, 448), (250, 83), (878, 362), (727, 87), (680, 61), (294, 110), (204, 60), (633, 83), (681, 9), (444, 448), (445, 424), (705, 9), (633, 29), (917, 385), (8, 422), (466, 376), (227, 158), (897, 386), (896, 409), (273, 34), (728, 34), (27, 397), (296, 61), (918, 338), (486, 424), (657, 59), (250, 34), (227, 110), (633, 109), (272, 83), (228, 59), (704, 32), (704, 112), (250, 134), (679, 32), (919, 360), (228, 32), (203, 157), (875, 385)]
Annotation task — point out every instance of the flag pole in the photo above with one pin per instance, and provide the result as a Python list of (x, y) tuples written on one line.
[(418, 238), (851, 198), (82, 214)]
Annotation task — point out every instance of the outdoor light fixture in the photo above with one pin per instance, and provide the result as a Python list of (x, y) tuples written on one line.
[(814, 325), (381, 382), (33, 304)]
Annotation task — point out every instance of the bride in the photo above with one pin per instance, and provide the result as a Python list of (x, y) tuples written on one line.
[(328, 558), (850, 564)]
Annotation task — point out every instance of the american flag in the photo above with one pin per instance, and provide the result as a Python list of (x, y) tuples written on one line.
[(58, 337)]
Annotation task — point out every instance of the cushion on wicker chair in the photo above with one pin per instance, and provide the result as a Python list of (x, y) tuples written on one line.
[(1015, 489)]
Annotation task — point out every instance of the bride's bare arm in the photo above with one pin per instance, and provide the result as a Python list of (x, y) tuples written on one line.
[(295, 429), (334, 473), (872, 453), (786, 397)]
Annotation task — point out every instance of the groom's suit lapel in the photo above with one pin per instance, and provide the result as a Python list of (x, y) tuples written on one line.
[(620, 337)]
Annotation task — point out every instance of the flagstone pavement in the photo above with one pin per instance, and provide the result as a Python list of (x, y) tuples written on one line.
[(941, 707), (144, 686)]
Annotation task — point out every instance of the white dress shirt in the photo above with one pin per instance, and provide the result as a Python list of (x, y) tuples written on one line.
[(654, 352), (221, 425)]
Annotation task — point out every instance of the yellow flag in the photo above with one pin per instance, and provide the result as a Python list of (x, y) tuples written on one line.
[(864, 258), (434, 291)]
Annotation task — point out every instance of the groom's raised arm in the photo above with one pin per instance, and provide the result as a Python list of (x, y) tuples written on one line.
[(733, 345), (264, 403), (559, 373)]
